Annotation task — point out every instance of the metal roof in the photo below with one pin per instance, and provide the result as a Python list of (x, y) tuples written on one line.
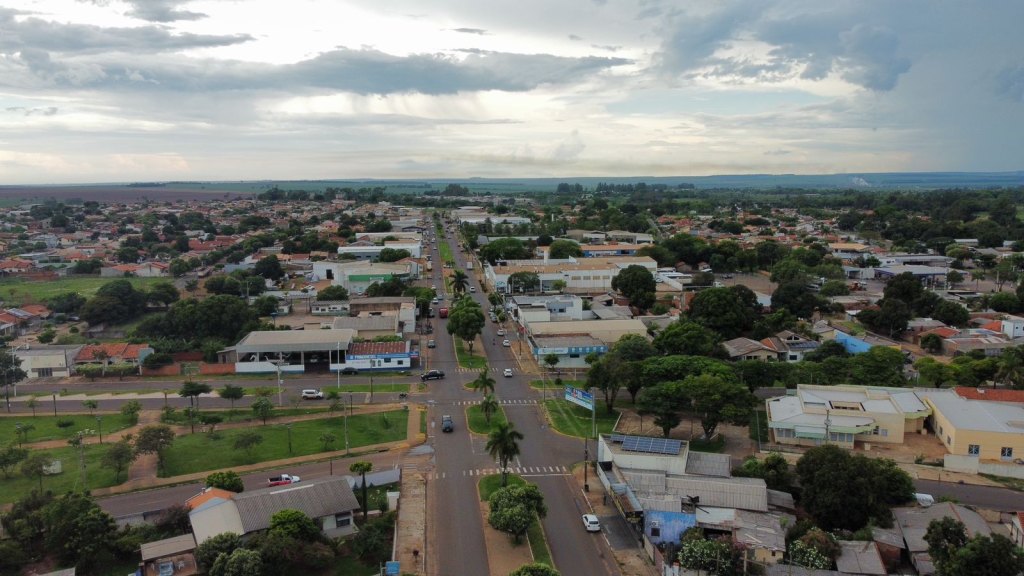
[(295, 340), (366, 323), (316, 499), (168, 547), (708, 464)]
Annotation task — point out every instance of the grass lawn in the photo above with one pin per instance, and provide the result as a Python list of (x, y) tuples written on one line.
[(365, 388), (97, 476), (573, 420), (535, 533), (445, 251), (46, 425), (351, 566), (15, 291), (200, 452), (423, 421), (550, 384), (466, 360), (716, 445), (246, 415), (478, 424)]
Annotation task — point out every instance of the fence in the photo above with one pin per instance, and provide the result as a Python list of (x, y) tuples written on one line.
[(179, 369)]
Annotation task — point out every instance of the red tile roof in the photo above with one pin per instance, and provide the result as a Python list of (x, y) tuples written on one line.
[(991, 394), (113, 350), (367, 348)]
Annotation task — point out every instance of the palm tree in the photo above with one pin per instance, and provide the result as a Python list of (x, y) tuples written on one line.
[(489, 407), (503, 445), (362, 468), (460, 282), (1011, 366), (484, 383)]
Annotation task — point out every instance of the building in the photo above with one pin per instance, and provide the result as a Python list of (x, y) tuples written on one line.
[(328, 308), (913, 524), (790, 346), (169, 556), (1017, 529), (1012, 326), (369, 327), (582, 275), (404, 307), (846, 415), (46, 361), (546, 308), (606, 331), (747, 349), (371, 251), (113, 353), (328, 501), (571, 349), (356, 276), (380, 356), (312, 351), (986, 429)]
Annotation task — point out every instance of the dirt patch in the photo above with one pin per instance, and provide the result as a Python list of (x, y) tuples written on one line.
[(503, 556)]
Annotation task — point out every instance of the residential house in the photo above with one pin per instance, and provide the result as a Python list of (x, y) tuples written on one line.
[(860, 558), (171, 556), (747, 349), (329, 308), (1017, 529), (970, 426), (329, 501), (46, 361), (790, 346), (913, 524), (1012, 326), (113, 353)]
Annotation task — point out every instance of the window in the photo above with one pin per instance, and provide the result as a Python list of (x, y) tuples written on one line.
[(973, 449), (387, 360), (342, 520), (574, 355), (949, 440), (1005, 452), (784, 433), (44, 372), (655, 531)]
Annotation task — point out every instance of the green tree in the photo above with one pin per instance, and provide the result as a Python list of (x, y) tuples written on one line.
[(551, 360), (891, 319), (91, 406), (513, 508), (227, 480), (665, 401), (155, 439), (247, 441), (232, 393), (504, 249), (131, 409), (489, 407), (944, 537), (11, 456), (535, 569), (954, 277), (269, 267), (466, 320), (834, 288), (163, 293), (774, 470), (79, 531), (1004, 302), (119, 457), (332, 293), (688, 339), (115, 302), (524, 282), (393, 254), (263, 408), (459, 281), (295, 524), (994, 555), (35, 465), (711, 556), (636, 283), (721, 310), (362, 468), (483, 383), (503, 445), (208, 552), (10, 367), (879, 366), (561, 249), (240, 562), (717, 400), (327, 440), (47, 335)]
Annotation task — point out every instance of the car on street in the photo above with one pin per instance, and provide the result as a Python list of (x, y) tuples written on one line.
[(349, 371), (472, 288), (435, 301), (591, 523), (508, 372), (431, 344), (446, 424), (501, 331), (506, 343), (433, 375), (282, 480), (727, 276), (312, 394)]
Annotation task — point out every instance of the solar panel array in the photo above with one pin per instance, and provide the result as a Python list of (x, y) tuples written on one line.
[(651, 445), (618, 438)]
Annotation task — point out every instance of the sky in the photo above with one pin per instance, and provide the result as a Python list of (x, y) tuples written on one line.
[(158, 90)]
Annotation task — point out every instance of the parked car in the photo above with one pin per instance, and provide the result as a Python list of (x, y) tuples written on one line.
[(506, 343), (446, 424), (431, 344), (501, 331), (312, 394), (591, 523), (349, 371), (433, 375), (508, 372), (282, 480)]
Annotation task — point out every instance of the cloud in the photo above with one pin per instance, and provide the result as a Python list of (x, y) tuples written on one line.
[(477, 31), (47, 111), (1010, 83), (162, 10)]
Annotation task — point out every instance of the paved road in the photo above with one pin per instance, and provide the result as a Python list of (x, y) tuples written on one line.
[(550, 457), (981, 496)]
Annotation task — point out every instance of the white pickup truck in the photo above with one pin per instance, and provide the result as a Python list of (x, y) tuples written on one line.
[(282, 480)]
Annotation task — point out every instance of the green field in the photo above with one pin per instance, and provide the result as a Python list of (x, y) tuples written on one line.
[(550, 384), (45, 426), (16, 292), (478, 424), (96, 476), (201, 452), (573, 420)]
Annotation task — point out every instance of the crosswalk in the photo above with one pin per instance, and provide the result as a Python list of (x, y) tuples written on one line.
[(476, 370), (500, 402), (525, 471)]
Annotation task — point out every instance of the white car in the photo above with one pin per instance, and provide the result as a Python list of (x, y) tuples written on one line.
[(501, 331), (508, 372), (506, 343), (591, 523), (312, 394)]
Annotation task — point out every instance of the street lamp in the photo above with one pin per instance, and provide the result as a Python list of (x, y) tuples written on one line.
[(289, 427), (99, 427)]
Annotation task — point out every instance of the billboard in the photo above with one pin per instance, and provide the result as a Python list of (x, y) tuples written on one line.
[(579, 397)]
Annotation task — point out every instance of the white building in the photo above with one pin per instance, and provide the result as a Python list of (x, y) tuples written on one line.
[(546, 308), (357, 276), (584, 275)]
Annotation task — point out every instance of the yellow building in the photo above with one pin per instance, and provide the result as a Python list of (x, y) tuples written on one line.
[(981, 428)]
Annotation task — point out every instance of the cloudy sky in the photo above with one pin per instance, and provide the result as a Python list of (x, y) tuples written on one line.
[(126, 90)]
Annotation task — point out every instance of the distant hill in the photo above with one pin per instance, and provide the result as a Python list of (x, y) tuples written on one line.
[(164, 191)]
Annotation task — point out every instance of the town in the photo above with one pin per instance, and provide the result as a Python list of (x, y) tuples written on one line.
[(621, 378)]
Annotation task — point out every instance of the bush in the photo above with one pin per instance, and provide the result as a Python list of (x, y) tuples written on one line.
[(65, 423), (157, 360)]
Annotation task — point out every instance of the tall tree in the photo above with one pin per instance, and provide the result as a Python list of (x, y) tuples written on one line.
[(717, 400), (636, 283), (483, 383), (466, 320), (688, 339), (721, 310), (459, 281), (665, 401), (489, 407), (363, 468), (232, 393), (269, 267), (155, 439), (503, 445), (118, 457)]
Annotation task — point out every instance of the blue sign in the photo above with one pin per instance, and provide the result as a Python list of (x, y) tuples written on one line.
[(391, 568), (579, 397)]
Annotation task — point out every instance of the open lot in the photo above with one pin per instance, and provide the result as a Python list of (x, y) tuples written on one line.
[(16, 291)]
